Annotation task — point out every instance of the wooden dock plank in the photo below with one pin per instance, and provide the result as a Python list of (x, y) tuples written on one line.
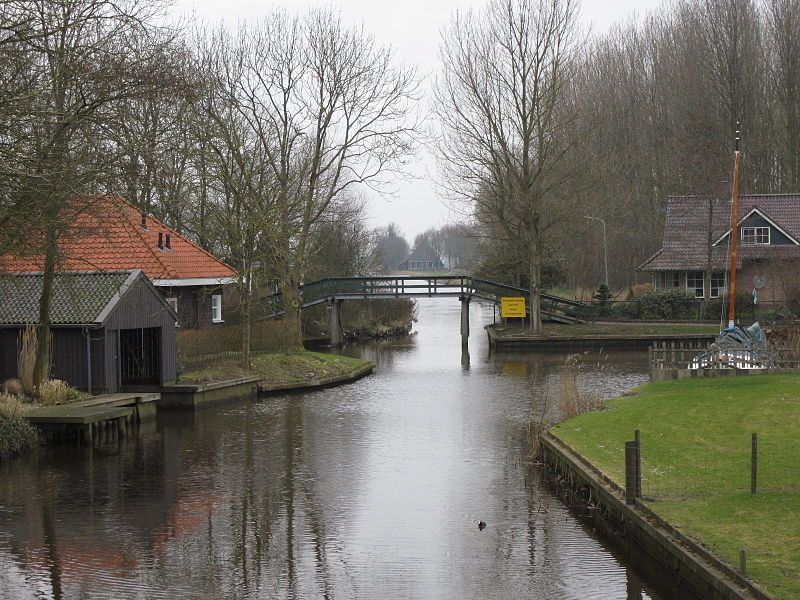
[(81, 415)]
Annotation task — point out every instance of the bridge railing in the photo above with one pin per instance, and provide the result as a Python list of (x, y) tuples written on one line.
[(424, 285)]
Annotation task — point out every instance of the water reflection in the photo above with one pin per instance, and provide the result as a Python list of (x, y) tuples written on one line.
[(369, 491)]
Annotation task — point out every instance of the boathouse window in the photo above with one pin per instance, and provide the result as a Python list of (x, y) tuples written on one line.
[(173, 302), (755, 235), (717, 284), (694, 283), (216, 308)]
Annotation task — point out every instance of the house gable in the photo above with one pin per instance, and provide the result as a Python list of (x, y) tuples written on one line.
[(756, 218)]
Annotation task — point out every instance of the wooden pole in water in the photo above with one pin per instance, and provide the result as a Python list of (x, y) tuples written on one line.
[(734, 236)]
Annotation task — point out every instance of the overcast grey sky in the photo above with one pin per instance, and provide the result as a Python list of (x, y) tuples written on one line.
[(411, 27)]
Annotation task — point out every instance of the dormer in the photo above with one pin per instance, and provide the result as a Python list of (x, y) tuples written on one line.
[(758, 229)]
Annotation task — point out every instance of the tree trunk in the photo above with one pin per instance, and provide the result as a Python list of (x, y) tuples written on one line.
[(41, 368), (535, 324), (245, 325), (292, 303)]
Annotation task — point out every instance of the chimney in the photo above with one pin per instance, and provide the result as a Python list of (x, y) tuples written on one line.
[(144, 221), (169, 242), (160, 241)]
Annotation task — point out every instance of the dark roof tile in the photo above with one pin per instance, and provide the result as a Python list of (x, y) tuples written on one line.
[(685, 245), (78, 298)]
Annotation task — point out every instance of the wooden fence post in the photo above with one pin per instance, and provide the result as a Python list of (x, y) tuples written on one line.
[(743, 561), (754, 464), (638, 440), (630, 472)]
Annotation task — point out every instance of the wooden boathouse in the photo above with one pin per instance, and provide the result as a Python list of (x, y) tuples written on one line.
[(112, 331)]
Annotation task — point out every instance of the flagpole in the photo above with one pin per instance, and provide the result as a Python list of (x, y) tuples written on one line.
[(734, 237)]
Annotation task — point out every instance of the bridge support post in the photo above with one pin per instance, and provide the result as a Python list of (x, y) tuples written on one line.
[(464, 320), (337, 336)]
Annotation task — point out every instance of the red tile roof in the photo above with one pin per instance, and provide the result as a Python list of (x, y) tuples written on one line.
[(106, 234), (685, 245)]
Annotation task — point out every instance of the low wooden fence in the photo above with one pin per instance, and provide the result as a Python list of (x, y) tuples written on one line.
[(682, 359)]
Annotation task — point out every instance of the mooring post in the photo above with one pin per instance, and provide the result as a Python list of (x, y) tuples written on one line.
[(337, 338), (464, 320), (638, 440), (743, 561), (754, 464), (630, 472)]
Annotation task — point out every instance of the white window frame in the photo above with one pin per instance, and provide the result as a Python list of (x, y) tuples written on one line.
[(720, 289), (173, 302), (216, 308), (699, 292), (753, 234)]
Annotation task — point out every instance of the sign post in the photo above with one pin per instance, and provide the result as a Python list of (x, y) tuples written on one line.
[(512, 308)]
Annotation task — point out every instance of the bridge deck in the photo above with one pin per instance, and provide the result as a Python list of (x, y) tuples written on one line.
[(554, 308)]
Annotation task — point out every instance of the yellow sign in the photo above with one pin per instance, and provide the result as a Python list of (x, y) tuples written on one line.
[(512, 307)]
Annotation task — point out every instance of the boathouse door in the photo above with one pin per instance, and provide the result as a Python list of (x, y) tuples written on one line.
[(140, 357)]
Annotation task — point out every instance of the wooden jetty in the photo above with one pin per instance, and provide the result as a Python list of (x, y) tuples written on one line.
[(87, 421)]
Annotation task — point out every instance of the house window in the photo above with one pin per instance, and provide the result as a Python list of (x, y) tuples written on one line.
[(216, 308), (694, 283), (173, 302), (673, 279), (755, 235), (717, 284)]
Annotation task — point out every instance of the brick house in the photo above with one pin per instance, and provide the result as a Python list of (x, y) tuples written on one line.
[(697, 229), (108, 233)]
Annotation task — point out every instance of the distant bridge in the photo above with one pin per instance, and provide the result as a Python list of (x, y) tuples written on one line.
[(335, 290)]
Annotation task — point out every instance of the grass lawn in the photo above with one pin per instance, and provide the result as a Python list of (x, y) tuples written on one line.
[(626, 328), (696, 464), (280, 368)]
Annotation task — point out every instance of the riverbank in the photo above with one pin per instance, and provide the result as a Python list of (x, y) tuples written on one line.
[(289, 369), (600, 334), (695, 438)]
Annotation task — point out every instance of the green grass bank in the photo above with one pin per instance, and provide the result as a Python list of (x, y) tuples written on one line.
[(696, 447), (280, 368)]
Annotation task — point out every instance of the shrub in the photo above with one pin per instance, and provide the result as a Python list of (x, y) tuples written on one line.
[(16, 433), (673, 304), (10, 406), (53, 391), (13, 387), (362, 315)]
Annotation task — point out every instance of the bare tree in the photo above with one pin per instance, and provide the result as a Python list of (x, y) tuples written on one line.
[(238, 141), (392, 247), (341, 113), (79, 57), (508, 124), (783, 24)]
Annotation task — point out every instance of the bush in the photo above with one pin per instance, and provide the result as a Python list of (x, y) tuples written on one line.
[(673, 304), (10, 405), (53, 391), (362, 315), (16, 433), (13, 387)]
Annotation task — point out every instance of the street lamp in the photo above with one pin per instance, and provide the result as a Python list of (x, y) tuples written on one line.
[(605, 243)]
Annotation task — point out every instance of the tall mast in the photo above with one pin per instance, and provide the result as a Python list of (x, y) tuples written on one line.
[(734, 237)]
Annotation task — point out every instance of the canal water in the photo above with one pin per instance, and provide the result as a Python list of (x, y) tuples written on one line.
[(372, 490)]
